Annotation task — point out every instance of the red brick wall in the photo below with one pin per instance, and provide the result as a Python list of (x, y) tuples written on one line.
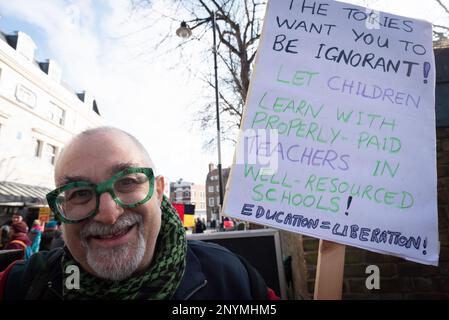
[(400, 279)]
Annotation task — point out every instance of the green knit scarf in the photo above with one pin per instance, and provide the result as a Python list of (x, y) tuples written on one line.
[(159, 282)]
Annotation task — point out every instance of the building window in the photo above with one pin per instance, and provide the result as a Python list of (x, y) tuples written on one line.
[(37, 148), (218, 201), (211, 202), (217, 188), (49, 153), (26, 96), (211, 188), (56, 114)]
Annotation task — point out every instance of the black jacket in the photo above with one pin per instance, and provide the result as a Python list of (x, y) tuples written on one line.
[(212, 272)]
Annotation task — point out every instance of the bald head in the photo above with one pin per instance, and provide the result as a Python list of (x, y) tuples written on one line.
[(96, 144)]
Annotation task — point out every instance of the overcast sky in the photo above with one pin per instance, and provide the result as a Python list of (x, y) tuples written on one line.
[(107, 50)]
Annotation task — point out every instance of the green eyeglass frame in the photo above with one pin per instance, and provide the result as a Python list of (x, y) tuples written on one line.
[(105, 186)]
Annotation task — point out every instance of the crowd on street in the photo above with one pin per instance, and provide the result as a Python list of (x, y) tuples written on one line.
[(17, 235)]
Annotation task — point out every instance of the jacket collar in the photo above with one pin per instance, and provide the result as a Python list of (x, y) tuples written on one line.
[(193, 278)]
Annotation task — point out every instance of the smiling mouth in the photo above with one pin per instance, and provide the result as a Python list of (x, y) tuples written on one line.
[(113, 236)]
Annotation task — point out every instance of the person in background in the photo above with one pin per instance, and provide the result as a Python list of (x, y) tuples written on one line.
[(47, 236), (37, 225), (241, 226), (199, 226), (17, 217), (228, 224), (35, 236), (4, 236), (18, 238), (58, 239)]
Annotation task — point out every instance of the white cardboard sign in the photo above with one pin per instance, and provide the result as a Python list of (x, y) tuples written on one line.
[(338, 136)]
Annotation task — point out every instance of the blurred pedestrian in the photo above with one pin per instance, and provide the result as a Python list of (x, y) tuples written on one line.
[(199, 226), (35, 236), (17, 217), (48, 235), (241, 226), (18, 238), (228, 224), (58, 239), (4, 236)]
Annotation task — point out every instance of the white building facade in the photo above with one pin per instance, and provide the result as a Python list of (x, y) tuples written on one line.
[(38, 114)]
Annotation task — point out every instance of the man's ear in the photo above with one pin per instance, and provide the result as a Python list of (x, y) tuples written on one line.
[(160, 185)]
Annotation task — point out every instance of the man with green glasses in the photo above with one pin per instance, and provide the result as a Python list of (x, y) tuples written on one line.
[(123, 238)]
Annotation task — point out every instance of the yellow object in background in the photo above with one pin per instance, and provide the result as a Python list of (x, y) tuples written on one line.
[(189, 220), (44, 215)]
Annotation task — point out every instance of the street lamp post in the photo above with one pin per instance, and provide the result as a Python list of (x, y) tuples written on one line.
[(185, 32)]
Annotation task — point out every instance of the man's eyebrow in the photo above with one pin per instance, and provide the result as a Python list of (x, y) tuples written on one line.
[(113, 170), (122, 166), (67, 179)]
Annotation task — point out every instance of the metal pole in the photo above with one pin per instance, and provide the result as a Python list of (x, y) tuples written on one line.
[(218, 114)]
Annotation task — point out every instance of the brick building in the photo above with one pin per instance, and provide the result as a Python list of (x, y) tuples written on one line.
[(213, 191)]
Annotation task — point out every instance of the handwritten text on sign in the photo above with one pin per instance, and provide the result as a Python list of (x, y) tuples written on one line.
[(338, 137)]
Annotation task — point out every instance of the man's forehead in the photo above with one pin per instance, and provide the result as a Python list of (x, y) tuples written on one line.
[(107, 138), (93, 144), (100, 153)]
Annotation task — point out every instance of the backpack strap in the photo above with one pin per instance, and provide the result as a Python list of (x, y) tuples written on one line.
[(21, 243)]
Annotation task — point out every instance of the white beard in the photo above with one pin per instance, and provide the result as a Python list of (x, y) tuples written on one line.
[(119, 262)]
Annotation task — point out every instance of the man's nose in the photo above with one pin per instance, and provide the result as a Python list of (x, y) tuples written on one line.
[(108, 209)]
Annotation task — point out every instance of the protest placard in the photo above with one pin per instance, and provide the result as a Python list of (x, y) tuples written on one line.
[(338, 135)]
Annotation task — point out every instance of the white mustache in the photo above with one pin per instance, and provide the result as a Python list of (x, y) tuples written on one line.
[(95, 229)]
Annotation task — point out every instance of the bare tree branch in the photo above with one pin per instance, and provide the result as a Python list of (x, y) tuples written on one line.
[(443, 6), (442, 27), (238, 27)]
